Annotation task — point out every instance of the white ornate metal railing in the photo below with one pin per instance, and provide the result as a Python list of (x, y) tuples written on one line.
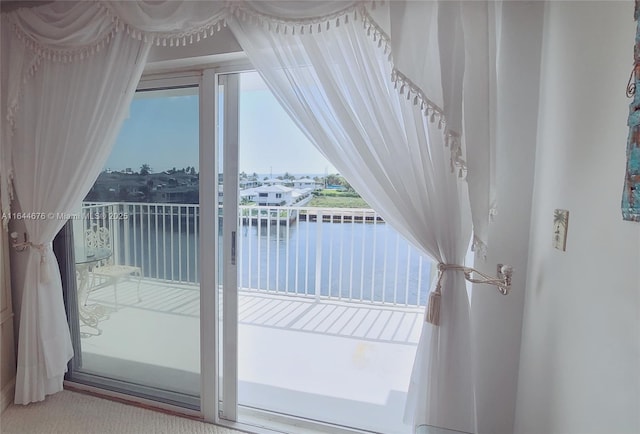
[(337, 253)]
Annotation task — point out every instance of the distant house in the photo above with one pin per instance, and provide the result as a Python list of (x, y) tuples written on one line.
[(305, 183), (249, 194), (273, 195), (184, 195), (273, 181), (249, 183)]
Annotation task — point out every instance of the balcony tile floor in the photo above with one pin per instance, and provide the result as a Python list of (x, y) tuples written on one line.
[(344, 362)]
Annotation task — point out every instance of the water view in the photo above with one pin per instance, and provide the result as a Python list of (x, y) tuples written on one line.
[(352, 254)]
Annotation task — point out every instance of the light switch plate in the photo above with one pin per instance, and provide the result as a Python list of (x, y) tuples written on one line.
[(560, 228)]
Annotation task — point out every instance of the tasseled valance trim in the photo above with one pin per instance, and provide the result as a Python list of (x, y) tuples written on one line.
[(79, 54), (299, 25), (67, 55), (413, 93), (435, 114), (167, 39), (57, 54), (402, 83)]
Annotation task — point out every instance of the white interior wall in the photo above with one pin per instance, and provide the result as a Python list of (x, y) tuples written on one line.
[(580, 358)]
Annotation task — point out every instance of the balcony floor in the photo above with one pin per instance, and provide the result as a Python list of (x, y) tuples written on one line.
[(342, 362)]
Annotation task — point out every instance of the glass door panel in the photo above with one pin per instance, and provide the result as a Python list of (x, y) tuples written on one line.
[(329, 297), (137, 255)]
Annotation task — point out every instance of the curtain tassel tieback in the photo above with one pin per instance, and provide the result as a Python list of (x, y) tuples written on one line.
[(433, 308), (502, 281), (42, 248)]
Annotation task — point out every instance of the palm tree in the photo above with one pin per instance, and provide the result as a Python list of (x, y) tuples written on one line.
[(560, 217)]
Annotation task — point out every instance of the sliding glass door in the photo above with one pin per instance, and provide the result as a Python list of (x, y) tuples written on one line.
[(322, 300), (136, 255), (222, 264)]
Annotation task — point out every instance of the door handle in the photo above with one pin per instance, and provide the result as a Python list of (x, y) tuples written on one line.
[(233, 247)]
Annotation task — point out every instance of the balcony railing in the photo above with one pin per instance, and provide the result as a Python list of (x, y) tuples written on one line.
[(344, 254)]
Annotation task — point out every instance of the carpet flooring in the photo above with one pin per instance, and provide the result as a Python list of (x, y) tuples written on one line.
[(75, 413)]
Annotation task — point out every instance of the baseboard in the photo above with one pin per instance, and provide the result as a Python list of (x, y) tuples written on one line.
[(6, 395)]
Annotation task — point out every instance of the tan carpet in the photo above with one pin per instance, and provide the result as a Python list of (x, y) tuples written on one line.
[(74, 413)]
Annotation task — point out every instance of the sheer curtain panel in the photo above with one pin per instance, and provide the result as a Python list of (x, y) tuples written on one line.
[(334, 78), (62, 119)]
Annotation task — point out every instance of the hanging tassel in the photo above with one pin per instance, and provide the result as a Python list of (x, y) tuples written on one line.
[(432, 314), (433, 309)]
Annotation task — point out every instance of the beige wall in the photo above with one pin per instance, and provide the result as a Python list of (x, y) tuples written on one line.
[(7, 349), (580, 357)]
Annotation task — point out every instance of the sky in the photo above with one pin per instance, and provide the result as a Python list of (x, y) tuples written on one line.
[(161, 130)]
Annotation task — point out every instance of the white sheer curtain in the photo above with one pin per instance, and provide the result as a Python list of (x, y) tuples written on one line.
[(455, 62), (69, 71), (63, 121), (327, 62), (336, 84)]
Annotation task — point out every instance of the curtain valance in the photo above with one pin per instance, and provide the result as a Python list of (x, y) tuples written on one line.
[(429, 40)]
